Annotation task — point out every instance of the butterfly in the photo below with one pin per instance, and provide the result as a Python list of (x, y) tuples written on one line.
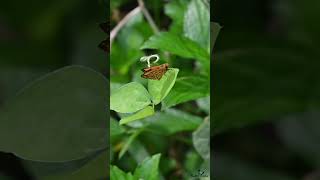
[(105, 45), (155, 72)]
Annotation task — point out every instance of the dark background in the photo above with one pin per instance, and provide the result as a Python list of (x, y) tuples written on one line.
[(37, 37), (266, 90)]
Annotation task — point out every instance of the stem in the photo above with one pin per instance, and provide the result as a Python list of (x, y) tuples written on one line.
[(116, 29), (148, 17)]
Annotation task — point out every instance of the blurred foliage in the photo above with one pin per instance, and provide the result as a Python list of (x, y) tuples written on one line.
[(152, 117), (265, 74), (53, 120)]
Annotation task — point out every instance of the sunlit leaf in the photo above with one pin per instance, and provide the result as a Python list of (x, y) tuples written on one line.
[(159, 89), (129, 98)]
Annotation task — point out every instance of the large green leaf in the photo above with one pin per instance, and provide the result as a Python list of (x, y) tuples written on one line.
[(148, 169), (197, 23), (201, 139), (96, 169), (171, 121), (178, 45), (129, 98), (145, 112), (159, 89), (118, 174), (187, 89), (60, 117)]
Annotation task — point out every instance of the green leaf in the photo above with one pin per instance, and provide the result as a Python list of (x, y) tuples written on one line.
[(177, 45), (60, 117), (129, 98), (128, 142), (175, 10), (148, 169), (214, 32), (201, 139), (172, 121), (204, 104), (196, 23), (41, 169), (187, 89), (147, 111), (115, 129), (118, 174), (159, 89), (95, 169)]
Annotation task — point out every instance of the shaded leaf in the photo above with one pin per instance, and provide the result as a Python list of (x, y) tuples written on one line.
[(96, 169), (201, 139), (60, 117)]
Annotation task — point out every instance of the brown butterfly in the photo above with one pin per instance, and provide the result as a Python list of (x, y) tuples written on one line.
[(155, 72), (105, 45)]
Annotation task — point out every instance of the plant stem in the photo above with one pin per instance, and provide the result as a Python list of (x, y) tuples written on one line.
[(148, 16)]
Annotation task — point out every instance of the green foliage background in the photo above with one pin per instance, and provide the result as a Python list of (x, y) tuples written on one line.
[(163, 133)]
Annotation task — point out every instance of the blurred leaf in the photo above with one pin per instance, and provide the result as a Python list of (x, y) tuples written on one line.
[(148, 169), (214, 32), (177, 45), (301, 134), (129, 98), (4, 177), (128, 143), (196, 23), (228, 167), (60, 117), (201, 139), (171, 121), (159, 89), (138, 151), (95, 169), (175, 10), (249, 88), (115, 129), (187, 89), (126, 47), (145, 112), (41, 169), (204, 104), (118, 174)]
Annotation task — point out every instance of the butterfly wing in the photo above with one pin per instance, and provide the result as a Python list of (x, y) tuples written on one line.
[(105, 45), (154, 74)]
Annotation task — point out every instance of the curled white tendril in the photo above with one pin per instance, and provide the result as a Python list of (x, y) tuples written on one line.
[(147, 58)]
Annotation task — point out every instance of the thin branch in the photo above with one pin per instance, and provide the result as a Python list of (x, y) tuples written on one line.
[(116, 29), (148, 17)]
